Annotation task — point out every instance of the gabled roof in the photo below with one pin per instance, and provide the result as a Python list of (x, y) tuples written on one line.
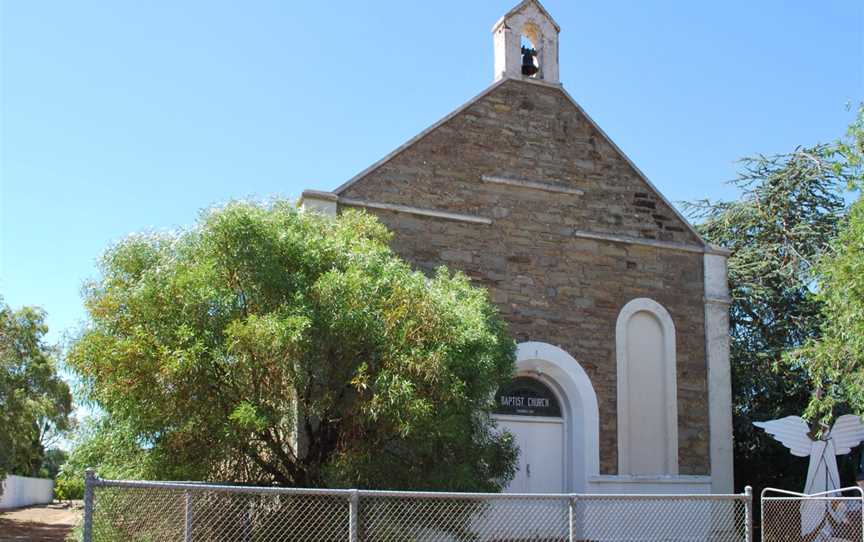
[(522, 5), (488, 91), (344, 186)]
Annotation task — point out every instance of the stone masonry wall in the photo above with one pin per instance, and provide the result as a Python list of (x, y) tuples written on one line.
[(549, 284)]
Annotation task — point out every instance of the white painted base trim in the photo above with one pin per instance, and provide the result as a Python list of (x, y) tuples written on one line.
[(657, 485)]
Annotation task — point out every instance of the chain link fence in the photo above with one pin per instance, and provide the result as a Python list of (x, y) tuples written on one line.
[(183, 512), (823, 517)]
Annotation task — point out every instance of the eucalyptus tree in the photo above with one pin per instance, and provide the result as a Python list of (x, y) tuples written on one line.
[(272, 346), (791, 207), (835, 359), (35, 403)]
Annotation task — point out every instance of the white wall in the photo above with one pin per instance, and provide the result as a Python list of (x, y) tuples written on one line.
[(21, 491), (717, 302)]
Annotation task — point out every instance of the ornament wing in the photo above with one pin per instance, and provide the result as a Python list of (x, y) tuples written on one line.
[(847, 433), (791, 431)]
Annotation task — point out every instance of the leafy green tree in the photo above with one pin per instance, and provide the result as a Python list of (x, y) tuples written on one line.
[(53, 459), (112, 446), (835, 360), (790, 208), (35, 403), (270, 346)]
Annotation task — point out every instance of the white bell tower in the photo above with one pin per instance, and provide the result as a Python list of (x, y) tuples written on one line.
[(526, 44)]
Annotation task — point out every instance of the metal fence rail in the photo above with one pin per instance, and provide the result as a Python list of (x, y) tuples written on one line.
[(162, 511), (828, 516)]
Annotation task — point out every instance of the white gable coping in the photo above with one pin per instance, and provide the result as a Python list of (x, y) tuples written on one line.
[(522, 5)]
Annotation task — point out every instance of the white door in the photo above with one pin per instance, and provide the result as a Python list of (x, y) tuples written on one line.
[(541, 453)]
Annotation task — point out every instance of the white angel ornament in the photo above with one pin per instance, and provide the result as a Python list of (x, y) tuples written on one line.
[(822, 474)]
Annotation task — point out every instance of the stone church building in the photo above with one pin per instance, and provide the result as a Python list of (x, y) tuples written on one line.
[(619, 307)]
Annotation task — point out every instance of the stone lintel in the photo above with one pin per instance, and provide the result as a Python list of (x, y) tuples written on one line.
[(638, 241), (534, 185), (446, 215)]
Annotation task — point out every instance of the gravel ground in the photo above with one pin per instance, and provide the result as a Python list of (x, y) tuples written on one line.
[(43, 523)]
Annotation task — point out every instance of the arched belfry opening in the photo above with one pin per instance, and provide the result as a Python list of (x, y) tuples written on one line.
[(526, 44)]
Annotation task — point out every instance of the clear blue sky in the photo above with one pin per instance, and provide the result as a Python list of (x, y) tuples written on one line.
[(121, 116)]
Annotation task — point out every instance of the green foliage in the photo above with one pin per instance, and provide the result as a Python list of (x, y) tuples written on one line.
[(34, 402), (52, 460), (851, 148), (110, 444), (212, 346), (68, 489), (791, 207), (835, 360)]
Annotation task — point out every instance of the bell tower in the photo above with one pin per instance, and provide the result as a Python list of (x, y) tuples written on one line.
[(526, 44)]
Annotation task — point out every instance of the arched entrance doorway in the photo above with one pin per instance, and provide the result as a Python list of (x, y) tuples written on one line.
[(530, 411), (559, 438)]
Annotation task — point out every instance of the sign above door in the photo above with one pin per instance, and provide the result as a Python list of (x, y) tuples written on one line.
[(526, 397)]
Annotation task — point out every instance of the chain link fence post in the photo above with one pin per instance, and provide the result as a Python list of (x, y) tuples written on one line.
[(354, 516), (187, 532), (748, 514), (571, 516), (89, 480)]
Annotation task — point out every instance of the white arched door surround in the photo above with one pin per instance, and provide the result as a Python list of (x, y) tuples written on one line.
[(563, 374), (645, 340)]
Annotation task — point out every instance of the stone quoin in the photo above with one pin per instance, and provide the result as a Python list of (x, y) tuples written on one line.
[(619, 307)]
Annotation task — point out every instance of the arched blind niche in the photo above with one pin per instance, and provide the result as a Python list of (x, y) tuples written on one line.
[(647, 390)]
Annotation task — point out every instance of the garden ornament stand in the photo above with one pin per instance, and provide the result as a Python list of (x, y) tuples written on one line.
[(822, 474)]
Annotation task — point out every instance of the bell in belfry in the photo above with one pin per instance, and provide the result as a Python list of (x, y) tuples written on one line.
[(529, 67)]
